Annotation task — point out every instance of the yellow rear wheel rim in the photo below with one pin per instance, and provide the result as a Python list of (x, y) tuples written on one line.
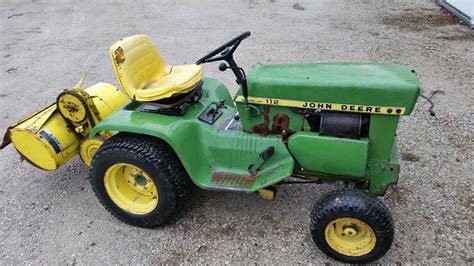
[(131, 188), (350, 237)]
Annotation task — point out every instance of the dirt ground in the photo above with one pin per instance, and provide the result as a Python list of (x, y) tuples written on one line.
[(53, 217)]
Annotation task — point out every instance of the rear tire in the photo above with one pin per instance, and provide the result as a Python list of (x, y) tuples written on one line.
[(352, 226), (140, 180)]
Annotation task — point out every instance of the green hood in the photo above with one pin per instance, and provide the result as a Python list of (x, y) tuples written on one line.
[(385, 85)]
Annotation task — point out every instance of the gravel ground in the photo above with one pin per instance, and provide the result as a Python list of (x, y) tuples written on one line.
[(53, 217)]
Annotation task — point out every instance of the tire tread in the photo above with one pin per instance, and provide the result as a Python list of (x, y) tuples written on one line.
[(161, 156), (350, 202)]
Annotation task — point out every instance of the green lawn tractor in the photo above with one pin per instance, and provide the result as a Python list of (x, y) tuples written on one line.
[(306, 123)]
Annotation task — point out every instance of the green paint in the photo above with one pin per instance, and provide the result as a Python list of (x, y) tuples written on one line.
[(345, 83), (220, 159), (214, 158), (383, 164), (331, 155), (381, 133), (384, 174)]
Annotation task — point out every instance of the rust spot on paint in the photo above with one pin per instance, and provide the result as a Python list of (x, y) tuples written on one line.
[(235, 180), (263, 129), (119, 56), (281, 125)]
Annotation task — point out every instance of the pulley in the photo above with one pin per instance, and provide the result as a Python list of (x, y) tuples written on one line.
[(73, 105)]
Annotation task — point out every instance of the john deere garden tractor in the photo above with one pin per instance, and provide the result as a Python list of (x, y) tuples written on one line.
[(171, 129)]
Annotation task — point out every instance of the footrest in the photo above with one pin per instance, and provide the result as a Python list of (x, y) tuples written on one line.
[(247, 162), (228, 179)]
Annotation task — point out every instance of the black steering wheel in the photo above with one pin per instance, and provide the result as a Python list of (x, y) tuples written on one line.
[(226, 50)]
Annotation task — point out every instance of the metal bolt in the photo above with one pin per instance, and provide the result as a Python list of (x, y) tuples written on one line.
[(350, 231)]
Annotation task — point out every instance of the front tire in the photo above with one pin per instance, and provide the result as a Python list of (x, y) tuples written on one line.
[(140, 180), (351, 226)]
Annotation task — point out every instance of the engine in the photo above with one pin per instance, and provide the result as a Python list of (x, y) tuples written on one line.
[(339, 124)]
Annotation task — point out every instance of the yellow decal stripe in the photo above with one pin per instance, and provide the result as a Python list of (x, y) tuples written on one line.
[(386, 110)]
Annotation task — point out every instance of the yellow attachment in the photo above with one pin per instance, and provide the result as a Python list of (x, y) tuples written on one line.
[(266, 194), (79, 83), (350, 236), (47, 140), (88, 148), (72, 108), (99, 101), (145, 76), (106, 99), (131, 188), (44, 139)]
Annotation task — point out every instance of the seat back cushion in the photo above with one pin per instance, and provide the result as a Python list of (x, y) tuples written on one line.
[(136, 62)]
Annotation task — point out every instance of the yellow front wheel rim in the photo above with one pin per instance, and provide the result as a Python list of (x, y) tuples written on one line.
[(131, 188), (350, 236)]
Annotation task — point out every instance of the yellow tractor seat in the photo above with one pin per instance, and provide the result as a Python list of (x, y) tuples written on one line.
[(145, 76)]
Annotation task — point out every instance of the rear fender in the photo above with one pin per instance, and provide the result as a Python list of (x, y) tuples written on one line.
[(207, 152), (184, 134), (181, 137), (214, 159)]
